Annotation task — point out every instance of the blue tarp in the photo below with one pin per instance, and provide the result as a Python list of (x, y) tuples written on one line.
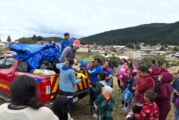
[(34, 54)]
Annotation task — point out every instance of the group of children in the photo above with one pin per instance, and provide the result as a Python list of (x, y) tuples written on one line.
[(151, 88)]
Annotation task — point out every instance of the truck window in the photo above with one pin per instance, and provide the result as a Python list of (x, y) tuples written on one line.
[(2, 62), (9, 63)]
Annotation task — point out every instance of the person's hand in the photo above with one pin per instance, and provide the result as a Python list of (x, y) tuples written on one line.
[(175, 91), (90, 86), (89, 82)]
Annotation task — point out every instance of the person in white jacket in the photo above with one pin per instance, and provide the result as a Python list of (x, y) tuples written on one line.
[(24, 102)]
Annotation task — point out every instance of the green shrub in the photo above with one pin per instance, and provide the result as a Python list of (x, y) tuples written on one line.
[(114, 60), (159, 59)]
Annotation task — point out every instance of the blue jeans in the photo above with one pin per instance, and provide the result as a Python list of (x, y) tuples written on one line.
[(176, 113)]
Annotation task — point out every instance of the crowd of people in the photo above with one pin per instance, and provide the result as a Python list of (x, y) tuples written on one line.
[(145, 92), (150, 88)]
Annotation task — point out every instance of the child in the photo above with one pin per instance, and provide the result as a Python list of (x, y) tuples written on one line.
[(109, 71), (60, 108), (164, 92), (83, 65), (132, 82), (105, 104), (124, 82), (175, 99), (97, 88), (150, 110), (132, 87)]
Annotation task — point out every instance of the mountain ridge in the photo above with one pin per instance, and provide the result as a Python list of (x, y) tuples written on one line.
[(153, 33)]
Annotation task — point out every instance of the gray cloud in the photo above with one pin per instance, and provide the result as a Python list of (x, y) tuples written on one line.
[(80, 17)]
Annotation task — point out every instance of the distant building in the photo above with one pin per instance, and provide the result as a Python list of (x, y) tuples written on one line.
[(4, 44), (118, 47)]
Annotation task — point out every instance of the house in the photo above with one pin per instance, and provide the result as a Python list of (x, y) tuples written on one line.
[(4, 44), (118, 47)]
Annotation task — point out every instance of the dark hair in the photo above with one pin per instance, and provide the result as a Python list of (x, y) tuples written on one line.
[(161, 63), (23, 92), (71, 61), (125, 61), (144, 69), (66, 34), (129, 69), (150, 95), (98, 59), (110, 64), (102, 76), (134, 74), (130, 65), (60, 107), (153, 61)]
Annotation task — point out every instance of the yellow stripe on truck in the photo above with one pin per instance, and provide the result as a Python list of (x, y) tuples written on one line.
[(4, 86), (55, 88)]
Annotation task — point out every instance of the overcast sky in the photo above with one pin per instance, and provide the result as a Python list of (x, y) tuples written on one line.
[(80, 18)]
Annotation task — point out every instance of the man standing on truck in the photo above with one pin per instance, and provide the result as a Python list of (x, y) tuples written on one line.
[(94, 78), (69, 52), (67, 41)]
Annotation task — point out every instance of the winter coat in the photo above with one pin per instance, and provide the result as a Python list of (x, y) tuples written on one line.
[(150, 111), (164, 97), (94, 74), (68, 81), (143, 84), (68, 53)]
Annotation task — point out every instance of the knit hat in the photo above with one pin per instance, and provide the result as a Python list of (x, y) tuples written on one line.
[(83, 63), (107, 90), (23, 89), (167, 77), (76, 43)]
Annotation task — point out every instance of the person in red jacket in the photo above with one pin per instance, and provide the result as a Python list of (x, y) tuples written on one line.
[(164, 92), (162, 67), (150, 110), (144, 83), (155, 71)]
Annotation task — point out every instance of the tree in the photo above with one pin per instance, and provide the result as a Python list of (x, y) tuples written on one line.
[(114, 60), (130, 45), (9, 38), (175, 49), (137, 47)]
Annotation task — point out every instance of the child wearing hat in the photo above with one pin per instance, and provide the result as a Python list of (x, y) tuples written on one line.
[(105, 104), (164, 92)]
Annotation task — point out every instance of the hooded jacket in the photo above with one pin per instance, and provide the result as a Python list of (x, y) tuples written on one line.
[(143, 84), (164, 95), (68, 81), (165, 89)]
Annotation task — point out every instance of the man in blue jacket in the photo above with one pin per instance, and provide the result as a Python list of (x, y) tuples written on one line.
[(67, 41), (94, 79)]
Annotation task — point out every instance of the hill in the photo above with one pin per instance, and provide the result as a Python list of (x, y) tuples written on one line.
[(148, 33)]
